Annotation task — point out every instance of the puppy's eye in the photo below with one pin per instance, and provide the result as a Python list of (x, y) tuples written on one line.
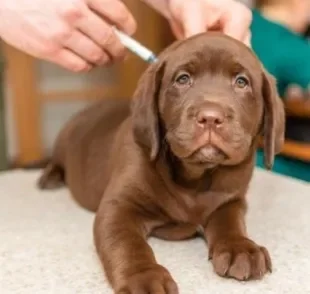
[(183, 79), (241, 82)]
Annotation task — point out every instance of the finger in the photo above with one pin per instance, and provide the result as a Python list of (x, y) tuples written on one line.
[(194, 21), (69, 60), (236, 24), (86, 48), (116, 12), (176, 29), (247, 40), (103, 34)]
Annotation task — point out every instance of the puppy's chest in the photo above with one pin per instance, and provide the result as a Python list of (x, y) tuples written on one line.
[(196, 208)]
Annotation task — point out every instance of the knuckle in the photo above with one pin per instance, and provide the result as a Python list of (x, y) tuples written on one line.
[(72, 10), (49, 50), (111, 42), (108, 37), (61, 34), (96, 56)]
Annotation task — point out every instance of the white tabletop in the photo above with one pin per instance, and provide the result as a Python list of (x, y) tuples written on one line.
[(46, 243)]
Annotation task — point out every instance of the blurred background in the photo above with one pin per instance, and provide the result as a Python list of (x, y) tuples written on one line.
[(37, 97)]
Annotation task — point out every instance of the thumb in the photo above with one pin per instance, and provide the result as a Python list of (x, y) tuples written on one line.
[(177, 29), (238, 27)]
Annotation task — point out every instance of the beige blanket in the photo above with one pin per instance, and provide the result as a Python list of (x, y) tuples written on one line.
[(46, 242)]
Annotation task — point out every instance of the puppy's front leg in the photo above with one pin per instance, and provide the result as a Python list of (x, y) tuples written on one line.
[(233, 254), (120, 238)]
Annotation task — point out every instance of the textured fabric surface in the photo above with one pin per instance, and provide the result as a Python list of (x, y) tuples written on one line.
[(46, 243)]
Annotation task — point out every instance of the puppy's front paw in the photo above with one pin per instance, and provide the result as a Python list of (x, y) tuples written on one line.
[(240, 258), (152, 281)]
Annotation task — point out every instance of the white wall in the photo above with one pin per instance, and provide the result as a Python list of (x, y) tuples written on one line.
[(55, 114)]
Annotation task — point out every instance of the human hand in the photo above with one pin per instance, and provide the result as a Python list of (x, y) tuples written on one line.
[(188, 18), (75, 34), (228, 16)]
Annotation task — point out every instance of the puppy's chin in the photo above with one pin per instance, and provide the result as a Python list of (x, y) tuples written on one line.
[(208, 156)]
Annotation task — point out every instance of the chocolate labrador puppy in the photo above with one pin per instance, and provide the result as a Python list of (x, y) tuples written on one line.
[(177, 162)]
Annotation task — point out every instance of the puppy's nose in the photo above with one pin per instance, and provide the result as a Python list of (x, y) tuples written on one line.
[(210, 117)]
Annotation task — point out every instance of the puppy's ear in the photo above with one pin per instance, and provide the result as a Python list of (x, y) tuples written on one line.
[(145, 112), (274, 120)]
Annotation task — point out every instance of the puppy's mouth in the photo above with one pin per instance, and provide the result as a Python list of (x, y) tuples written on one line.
[(208, 154), (209, 147)]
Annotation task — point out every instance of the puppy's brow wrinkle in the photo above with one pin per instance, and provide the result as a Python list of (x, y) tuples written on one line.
[(189, 66)]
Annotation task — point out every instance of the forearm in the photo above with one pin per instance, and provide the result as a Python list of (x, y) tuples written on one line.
[(121, 244), (228, 220), (161, 6)]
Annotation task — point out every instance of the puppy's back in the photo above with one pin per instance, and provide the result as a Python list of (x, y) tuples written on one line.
[(81, 154), (95, 123)]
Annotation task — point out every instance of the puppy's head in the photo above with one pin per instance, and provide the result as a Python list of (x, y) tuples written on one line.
[(208, 98)]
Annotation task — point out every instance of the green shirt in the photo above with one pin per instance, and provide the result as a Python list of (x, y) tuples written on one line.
[(285, 54)]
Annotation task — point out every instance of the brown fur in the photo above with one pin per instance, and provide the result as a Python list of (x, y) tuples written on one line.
[(177, 163)]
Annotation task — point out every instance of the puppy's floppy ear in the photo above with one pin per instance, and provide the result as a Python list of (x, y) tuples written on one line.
[(145, 112), (274, 120)]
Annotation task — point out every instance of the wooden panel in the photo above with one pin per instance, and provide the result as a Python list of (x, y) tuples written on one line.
[(293, 149), (299, 108), (3, 137), (26, 105), (83, 94), (297, 150)]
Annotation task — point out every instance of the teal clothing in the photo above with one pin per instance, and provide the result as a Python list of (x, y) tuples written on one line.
[(286, 55), (286, 166)]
